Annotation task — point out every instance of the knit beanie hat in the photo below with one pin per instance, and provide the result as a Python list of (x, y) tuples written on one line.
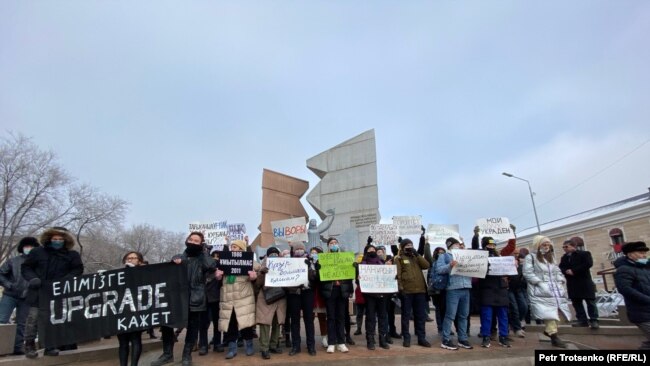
[(298, 246), (404, 242), (240, 244), (451, 241), (539, 239), (272, 250), (317, 248), (365, 249), (487, 240)]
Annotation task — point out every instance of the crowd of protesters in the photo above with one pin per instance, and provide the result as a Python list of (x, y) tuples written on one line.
[(235, 305)]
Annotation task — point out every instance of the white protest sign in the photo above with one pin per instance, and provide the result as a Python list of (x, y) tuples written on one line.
[(290, 230), (502, 266), (496, 227), (378, 278), (385, 234), (438, 235), (471, 263), (214, 232), (286, 272), (408, 225), (236, 231)]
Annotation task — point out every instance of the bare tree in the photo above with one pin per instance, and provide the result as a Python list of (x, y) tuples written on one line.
[(156, 244)]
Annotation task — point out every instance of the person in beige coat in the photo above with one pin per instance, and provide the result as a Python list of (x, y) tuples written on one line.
[(237, 306), (269, 316)]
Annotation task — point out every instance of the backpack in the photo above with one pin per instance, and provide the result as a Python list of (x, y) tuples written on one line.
[(438, 281)]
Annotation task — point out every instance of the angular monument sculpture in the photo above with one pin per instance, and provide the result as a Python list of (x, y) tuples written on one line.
[(348, 173), (280, 200)]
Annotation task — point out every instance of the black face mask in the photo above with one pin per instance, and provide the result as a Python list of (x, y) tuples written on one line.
[(372, 254), (409, 251), (193, 250)]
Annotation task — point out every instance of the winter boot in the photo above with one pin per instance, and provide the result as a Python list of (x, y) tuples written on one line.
[(370, 341), (249, 347), (187, 354), (30, 349), (349, 340), (557, 342), (232, 350), (167, 356), (383, 341)]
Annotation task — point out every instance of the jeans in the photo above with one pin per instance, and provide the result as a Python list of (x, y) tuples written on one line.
[(457, 305), (486, 319), (7, 306), (295, 303), (518, 309), (580, 309), (415, 304), (336, 304)]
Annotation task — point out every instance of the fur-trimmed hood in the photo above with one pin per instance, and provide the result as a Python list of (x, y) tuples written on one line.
[(47, 235)]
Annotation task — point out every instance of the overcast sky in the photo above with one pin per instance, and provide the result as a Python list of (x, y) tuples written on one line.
[(177, 107)]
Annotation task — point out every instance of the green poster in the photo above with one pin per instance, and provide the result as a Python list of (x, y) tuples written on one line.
[(336, 266)]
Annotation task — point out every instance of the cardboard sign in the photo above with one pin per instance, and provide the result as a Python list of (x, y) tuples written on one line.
[(286, 272), (93, 306), (290, 230), (235, 263), (214, 232), (384, 234), (502, 266), (336, 266), (438, 234), (408, 225), (236, 231), (496, 227), (471, 263), (378, 278)]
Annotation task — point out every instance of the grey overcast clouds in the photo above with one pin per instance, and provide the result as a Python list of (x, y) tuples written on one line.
[(178, 106)]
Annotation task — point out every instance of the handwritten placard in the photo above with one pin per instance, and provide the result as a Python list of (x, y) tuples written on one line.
[(214, 232), (290, 230), (236, 231), (336, 266), (408, 225), (502, 266), (384, 234), (378, 278), (471, 263), (496, 227), (286, 272)]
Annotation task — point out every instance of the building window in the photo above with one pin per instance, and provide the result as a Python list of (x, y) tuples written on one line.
[(617, 238)]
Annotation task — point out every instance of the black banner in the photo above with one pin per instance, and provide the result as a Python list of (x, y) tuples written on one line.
[(101, 304), (235, 263)]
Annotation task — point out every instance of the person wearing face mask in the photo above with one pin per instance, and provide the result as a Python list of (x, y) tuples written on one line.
[(336, 294), (632, 280), (320, 308), (199, 266), (15, 290), (575, 265), (53, 261), (375, 305), (546, 293), (494, 299), (300, 299), (269, 317), (130, 341), (413, 287)]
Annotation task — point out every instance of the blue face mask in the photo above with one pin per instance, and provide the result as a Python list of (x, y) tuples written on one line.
[(314, 257), (643, 261), (26, 250), (334, 248), (57, 244)]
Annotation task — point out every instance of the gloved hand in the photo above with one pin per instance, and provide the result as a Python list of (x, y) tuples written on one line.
[(307, 261), (34, 283), (264, 270)]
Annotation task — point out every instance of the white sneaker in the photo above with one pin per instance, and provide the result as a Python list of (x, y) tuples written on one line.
[(341, 348), (520, 333), (323, 341), (330, 349)]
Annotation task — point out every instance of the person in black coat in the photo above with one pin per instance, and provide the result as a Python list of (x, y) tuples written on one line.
[(15, 290), (493, 294), (632, 280), (53, 261), (575, 265)]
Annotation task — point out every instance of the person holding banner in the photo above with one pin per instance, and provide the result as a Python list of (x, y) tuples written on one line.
[(301, 298), (132, 339), (53, 261), (375, 305), (546, 293), (320, 309), (271, 316), (413, 287), (493, 298), (237, 308), (336, 294)]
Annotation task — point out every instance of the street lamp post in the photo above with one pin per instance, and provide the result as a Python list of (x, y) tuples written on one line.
[(532, 198)]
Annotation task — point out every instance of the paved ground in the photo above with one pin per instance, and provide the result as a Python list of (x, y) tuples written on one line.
[(104, 352)]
